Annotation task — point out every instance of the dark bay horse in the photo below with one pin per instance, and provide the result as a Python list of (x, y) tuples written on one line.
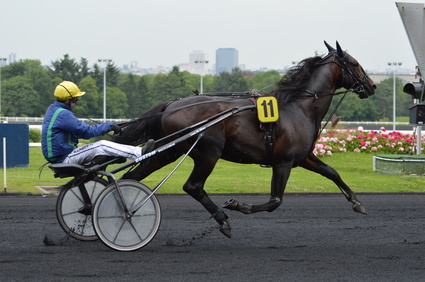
[(304, 95)]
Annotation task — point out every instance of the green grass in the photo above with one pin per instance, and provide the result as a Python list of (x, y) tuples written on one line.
[(355, 169)]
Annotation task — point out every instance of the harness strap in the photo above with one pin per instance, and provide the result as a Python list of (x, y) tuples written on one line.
[(269, 145), (268, 128)]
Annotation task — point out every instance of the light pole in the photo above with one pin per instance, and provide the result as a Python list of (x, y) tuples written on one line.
[(203, 62), (107, 61), (394, 92), (2, 60)]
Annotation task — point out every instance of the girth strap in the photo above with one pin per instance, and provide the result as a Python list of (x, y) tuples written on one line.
[(268, 128), (269, 145)]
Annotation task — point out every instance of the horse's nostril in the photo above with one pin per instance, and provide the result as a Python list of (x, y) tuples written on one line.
[(374, 86)]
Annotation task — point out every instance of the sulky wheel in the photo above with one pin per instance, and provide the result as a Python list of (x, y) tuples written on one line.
[(75, 216), (126, 231)]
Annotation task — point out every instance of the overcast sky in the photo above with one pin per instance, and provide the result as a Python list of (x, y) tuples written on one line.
[(267, 33)]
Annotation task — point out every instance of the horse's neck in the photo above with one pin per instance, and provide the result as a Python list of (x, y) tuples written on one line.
[(323, 84)]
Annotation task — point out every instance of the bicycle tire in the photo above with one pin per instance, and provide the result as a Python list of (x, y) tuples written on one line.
[(68, 205), (114, 228)]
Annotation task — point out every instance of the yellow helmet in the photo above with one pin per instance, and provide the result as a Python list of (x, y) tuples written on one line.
[(67, 90)]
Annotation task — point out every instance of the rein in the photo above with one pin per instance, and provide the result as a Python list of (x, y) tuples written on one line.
[(168, 112)]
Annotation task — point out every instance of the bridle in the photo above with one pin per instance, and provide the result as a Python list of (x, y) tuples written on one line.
[(358, 86)]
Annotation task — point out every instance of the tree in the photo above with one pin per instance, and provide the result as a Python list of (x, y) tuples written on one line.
[(84, 68), (12, 70), (136, 91), (170, 86), (231, 82), (40, 82), (264, 81), (116, 103), (354, 109), (66, 68), (112, 75), (91, 105), (36, 75), (383, 98), (19, 97)]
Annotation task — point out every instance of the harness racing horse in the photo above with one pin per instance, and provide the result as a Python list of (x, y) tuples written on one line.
[(304, 95)]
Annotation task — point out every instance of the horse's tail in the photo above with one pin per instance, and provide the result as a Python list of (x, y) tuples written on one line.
[(146, 126)]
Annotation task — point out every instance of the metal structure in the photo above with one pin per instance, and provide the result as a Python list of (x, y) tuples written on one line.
[(106, 61), (413, 17)]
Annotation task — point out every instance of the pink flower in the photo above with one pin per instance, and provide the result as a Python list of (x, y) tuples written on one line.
[(357, 150)]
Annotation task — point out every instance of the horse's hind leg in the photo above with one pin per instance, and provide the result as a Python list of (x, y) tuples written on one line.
[(194, 186), (280, 177), (313, 163)]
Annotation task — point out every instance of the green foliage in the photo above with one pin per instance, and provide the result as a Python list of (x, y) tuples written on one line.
[(137, 94), (354, 109), (116, 103), (19, 97), (91, 102), (66, 68), (35, 135), (231, 82), (264, 79)]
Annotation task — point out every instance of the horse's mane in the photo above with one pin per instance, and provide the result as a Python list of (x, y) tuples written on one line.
[(295, 81)]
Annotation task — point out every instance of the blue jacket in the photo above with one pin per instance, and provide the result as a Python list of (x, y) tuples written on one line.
[(61, 130)]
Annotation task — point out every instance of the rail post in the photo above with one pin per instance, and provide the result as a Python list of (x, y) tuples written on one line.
[(4, 163)]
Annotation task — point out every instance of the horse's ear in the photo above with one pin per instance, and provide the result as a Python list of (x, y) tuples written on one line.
[(330, 48), (339, 51)]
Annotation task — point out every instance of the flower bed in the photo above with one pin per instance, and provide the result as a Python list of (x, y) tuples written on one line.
[(377, 142)]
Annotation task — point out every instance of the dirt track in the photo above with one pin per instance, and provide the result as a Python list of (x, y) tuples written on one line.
[(309, 238)]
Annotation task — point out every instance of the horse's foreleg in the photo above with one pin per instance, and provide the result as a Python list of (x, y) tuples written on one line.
[(314, 164), (279, 180)]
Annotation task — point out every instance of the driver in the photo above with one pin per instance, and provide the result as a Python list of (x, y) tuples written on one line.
[(61, 130)]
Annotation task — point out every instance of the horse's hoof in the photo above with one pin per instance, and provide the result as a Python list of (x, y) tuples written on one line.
[(234, 205), (226, 229), (230, 204), (359, 208)]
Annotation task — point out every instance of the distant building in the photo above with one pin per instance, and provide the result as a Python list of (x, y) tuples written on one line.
[(226, 60), (198, 62), (12, 58)]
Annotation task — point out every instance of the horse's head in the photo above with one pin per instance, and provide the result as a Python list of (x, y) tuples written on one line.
[(353, 75)]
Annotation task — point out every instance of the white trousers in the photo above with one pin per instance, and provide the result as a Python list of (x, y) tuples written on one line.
[(86, 153)]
